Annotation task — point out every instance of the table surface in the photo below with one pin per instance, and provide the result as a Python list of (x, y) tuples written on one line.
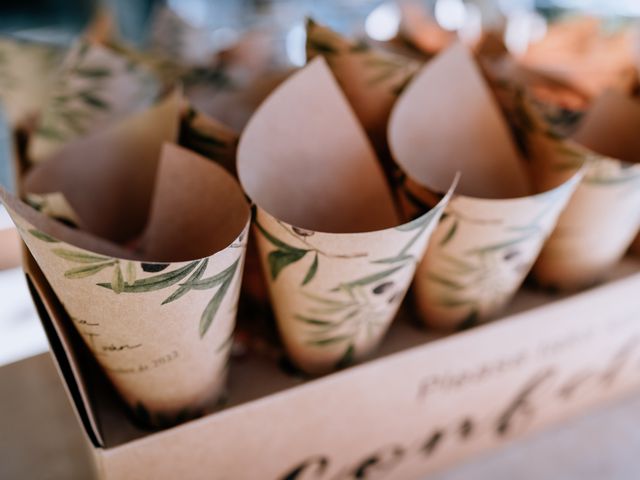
[(41, 439)]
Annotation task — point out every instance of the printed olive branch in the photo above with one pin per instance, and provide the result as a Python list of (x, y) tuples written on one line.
[(125, 281), (77, 118), (358, 311), (222, 280), (301, 235), (286, 254), (419, 225)]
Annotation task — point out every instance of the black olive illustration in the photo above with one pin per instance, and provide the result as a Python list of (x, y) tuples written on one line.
[(396, 297), (383, 287), (154, 267), (511, 254), (302, 232)]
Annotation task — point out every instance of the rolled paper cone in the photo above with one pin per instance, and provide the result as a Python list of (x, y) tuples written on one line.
[(371, 79), (95, 87), (419, 29), (159, 321), (603, 216), (336, 258), (492, 231), (26, 72), (127, 155), (210, 138), (582, 51)]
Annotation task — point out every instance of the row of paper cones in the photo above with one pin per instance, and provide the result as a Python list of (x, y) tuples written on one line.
[(150, 272)]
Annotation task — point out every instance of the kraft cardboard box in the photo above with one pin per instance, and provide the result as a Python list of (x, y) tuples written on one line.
[(423, 403)]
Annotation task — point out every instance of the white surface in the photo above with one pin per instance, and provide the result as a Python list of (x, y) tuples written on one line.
[(5, 220), (21, 334)]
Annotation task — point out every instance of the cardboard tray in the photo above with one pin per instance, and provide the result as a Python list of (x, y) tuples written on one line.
[(424, 402)]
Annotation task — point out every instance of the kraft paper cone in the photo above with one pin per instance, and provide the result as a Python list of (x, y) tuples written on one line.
[(336, 258), (161, 331), (72, 171), (581, 51), (371, 79), (95, 87), (603, 217), (26, 71), (420, 30), (159, 313), (210, 138), (494, 228)]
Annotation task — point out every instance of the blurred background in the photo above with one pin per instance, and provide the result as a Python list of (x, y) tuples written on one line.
[(219, 25)]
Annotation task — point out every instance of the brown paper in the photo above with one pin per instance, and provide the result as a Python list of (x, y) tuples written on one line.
[(127, 154), (210, 138), (603, 217), (371, 79), (494, 228), (582, 52), (419, 29), (95, 87), (157, 314), (450, 98), (336, 258)]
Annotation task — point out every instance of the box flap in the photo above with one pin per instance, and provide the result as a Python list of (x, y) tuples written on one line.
[(69, 359)]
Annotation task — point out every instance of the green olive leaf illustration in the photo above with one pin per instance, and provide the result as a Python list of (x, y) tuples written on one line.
[(79, 257), (183, 289), (207, 283), (117, 280), (93, 100), (313, 269), (313, 321), (131, 273), (369, 279), (348, 358), (450, 233), (157, 282), (93, 72), (444, 281), (279, 259), (284, 256), (214, 305), (329, 341), (87, 271), (470, 320), (42, 236)]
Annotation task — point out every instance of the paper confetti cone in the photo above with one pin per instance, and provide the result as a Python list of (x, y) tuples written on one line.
[(158, 314), (95, 87), (336, 258), (494, 227), (585, 53), (370, 79), (603, 216)]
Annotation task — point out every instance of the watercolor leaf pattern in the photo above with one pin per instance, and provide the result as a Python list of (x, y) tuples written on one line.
[(483, 278), (82, 95), (124, 277), (381, 68), (285, 255), (353, 309)]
